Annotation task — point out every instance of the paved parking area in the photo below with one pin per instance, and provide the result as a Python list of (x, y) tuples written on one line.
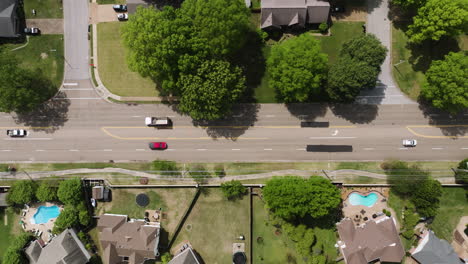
[(47, 26), (102, 13)]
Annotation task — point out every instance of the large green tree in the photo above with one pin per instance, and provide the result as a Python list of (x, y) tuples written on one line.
[(407, 4), (46, 192), (210, 93), (348, 77), (404, 178), (21, 90), (21, 192), (461, 175), (14, 254), (293, 197), (447, 83), (438, 18), (297, 68), (366, 48), (70, 191), (69, 217), (426, 197)]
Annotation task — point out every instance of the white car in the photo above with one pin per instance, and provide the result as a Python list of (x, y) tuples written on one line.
[(410, 142), (122, 17)]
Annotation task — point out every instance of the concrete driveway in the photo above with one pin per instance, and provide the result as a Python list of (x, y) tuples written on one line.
[(47, 26), (102, 13)]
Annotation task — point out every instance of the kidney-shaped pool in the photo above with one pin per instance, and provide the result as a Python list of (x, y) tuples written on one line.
[(44, 214), (366, 200)]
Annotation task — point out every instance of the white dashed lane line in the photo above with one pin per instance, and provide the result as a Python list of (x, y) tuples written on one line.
[(6, 150), (40, 150), (73, 150), (369, 148), (140, 149), (403, 148), (201, 149), (108, 150), (267, 149), (301, 149), (463, 148), (235, 149), (437, 148)]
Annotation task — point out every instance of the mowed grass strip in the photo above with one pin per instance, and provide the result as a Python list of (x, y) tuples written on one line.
[(107, 2), (214, 224), (44, 8), (44, 52), (5, 231), (113, 68)]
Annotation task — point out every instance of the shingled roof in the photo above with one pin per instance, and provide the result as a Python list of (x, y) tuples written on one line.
[(185, 257), (133, 239), (277, 13), (433, 250), (375, 240), (8, 18)]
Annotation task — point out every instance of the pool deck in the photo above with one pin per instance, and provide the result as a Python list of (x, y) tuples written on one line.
[(358, 212), (28, 213)]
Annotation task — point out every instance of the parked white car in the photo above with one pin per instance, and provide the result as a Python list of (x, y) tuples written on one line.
[(122, 17), (410, 142)]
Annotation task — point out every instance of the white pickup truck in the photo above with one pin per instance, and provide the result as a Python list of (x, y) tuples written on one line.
[(17, 132), (158, 121)]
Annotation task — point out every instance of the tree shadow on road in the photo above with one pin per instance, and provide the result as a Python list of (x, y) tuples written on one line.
[(356, 113), (47, 117), (452, 125), (242, 117), (307, 111)]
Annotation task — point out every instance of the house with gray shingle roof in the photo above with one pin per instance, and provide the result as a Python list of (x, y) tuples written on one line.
[(187, 256), (66, 248), (9, 22), (278, 13), (433, 250)]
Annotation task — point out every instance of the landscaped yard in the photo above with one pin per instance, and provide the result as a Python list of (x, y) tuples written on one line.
[(214, 224), (411, 62), (43, 53), (173, 201), (5, 232), (44, 8), (113, 67)]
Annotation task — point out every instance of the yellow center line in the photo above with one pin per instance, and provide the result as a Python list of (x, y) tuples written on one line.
[(434, 126), (232, 127)]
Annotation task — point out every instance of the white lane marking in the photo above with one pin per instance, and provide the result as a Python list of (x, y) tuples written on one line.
[(6, 150), (40, 150), (463, 148), (201, 149), (437, 148), (136, 116), (27, 139), (74, 150), (70, 84), (332, 137), (267, 149), (140, 150), (78, 98), (77, 89), (170, 149), (300, 149), (171, 116), (107, 149), (368, 148), (235, 149), (270, 115), (403, 148)]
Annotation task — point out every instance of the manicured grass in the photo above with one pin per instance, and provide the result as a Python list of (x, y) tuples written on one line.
[(268, 246), (5, 232), (453, 205), (106, 2), (113, 68), (410, 62), (214, 224), (264, 93), (43, 53), (44, 8), (340, 33)]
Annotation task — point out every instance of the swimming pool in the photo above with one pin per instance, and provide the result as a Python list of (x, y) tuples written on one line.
[(44, 214), (366, 200)]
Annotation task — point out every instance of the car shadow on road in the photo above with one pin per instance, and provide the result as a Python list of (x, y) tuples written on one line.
[(452, 125), (48, 117), (242, 117)]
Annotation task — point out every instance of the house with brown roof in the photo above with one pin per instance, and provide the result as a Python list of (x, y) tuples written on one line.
[(278, 13), (127, 241), (375, 240), (66, 248)]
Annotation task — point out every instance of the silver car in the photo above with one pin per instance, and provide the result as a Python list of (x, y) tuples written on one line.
[(410, 142)]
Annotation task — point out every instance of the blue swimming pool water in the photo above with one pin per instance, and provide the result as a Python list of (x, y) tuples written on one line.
[(44, 214), (368, 200)]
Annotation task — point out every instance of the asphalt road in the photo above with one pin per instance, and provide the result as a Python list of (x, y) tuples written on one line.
[(67, 131)]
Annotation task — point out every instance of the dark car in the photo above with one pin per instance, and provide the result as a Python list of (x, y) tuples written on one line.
[(337, 9), (158, 145), (32, 31), (120, 8)]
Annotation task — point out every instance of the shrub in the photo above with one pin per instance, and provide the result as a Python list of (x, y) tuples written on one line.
[(387, 213), (461, 176), (166, 257), (219, 170), (233, 189), (199, 173), (166, 167), (323, 27)]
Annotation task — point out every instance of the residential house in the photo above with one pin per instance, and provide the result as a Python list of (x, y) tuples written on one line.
[(66, 248), (186, 256), (278, 13), (133, 4), (126, 241), (433, 250), (9, 22), (375, 240)]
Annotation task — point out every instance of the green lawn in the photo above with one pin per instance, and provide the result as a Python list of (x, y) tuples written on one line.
[(113, 68), (411, 62), (43, 52), (214, 225), (106, 2), (5, 232), (453, 205), (44, 8)]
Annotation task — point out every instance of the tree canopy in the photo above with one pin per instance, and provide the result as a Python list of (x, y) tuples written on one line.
[(70, 192), (233, 189), (69, 217), (447, 83), (462, 173), (45, 192), (293, 197), (14, 254), (297, 68), (21, 192), (210, 93), (366, 48), (404, 177), (407, 4), (21, 90), (426, 197), (438, 18)]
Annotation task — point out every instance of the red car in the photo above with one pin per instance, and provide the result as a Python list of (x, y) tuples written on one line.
[(158, 145)]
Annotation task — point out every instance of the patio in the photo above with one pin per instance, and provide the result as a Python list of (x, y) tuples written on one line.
[(42, 231)]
